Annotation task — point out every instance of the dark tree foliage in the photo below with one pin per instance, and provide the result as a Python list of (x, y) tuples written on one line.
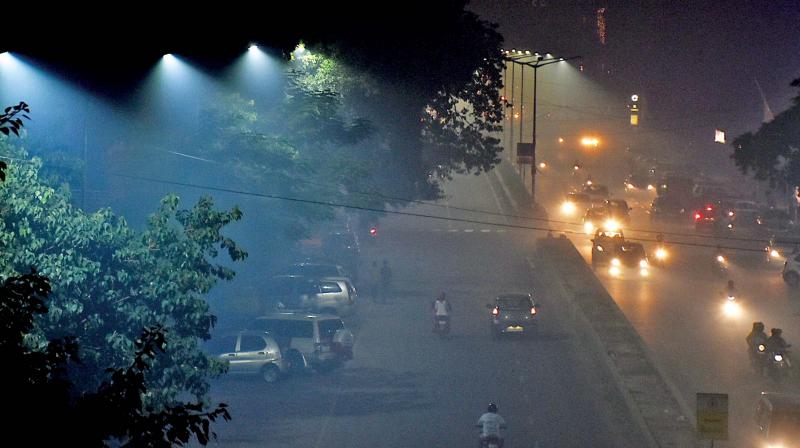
[(10, 122), (42, 406), (773, 152), (438, 68)]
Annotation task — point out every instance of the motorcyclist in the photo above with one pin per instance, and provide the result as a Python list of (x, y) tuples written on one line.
[(775, 342), (441, 310), (756, 336), (490, 424), (730, 290)]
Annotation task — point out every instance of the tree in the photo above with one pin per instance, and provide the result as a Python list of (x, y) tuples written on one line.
[(111, 281), (42, 404), (773, 152), (39, 389), (436, 74)]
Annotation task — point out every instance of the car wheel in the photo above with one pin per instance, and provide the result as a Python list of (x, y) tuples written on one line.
[(270, 373), (792, 278), (296, 361)]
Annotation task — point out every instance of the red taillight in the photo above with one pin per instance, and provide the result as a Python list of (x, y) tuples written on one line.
[(373, 231), (698, 216), (533, 310), (495, 311), (709, 207)]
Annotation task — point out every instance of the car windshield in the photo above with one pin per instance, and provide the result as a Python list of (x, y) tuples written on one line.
[(632, 250), (514, 302)]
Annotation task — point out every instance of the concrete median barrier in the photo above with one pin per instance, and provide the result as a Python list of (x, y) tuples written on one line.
[(653, 401)]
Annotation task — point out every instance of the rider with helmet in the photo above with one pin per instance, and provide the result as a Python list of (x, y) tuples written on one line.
[(775, 342), (490, 424)]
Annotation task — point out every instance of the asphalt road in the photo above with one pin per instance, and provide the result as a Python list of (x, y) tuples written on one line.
[(679, 310), (406, 387)]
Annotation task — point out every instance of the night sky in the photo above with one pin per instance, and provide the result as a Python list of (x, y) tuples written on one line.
[(696, 61)]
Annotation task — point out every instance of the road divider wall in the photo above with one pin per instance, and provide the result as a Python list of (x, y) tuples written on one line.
[(601, 327)]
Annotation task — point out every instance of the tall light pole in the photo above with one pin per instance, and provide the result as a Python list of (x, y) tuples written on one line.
[(535, 61)]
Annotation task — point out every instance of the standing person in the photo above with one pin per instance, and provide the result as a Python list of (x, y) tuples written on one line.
[(386, 279), (375, 281)]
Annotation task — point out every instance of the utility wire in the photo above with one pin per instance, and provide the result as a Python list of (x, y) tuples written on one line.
[(418, 215)]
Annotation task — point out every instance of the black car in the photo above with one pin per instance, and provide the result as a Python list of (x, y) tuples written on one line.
[(629, 256), (666, 208), (595, 190), (604, 246), (513, 313), (618, 208)]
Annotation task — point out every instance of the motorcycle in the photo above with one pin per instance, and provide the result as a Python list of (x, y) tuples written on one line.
[(731, 305), (758, 357), (492, 442), (442, 326), (661, 255), (720, 266), (779, 365)]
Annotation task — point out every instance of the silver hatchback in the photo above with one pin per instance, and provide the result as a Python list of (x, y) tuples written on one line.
[(253, 353)]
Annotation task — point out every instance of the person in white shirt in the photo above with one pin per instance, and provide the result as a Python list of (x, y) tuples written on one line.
[(441, 310), (490, 424)]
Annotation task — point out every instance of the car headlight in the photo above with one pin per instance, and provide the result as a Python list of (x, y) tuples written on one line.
[(615, 262), (568, 208), (614, 270), (774, 253), (651, 188), (644, 272), (588, 226), (778, 357), (642, 263), (600, 248), (661, 253), (611, 224), (720, 258), (762, 348)]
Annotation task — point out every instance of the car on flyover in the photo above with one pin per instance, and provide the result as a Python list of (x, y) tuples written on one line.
[(604, 246)]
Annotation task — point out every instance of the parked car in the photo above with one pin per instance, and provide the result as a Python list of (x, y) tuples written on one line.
[(309, 341), (250, 353), (309, 269), (332, 295), (778, 419), (514, 313)]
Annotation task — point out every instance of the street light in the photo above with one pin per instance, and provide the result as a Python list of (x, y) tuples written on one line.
[(535, 61)]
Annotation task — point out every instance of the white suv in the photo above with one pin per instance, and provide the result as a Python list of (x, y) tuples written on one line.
[(318, 341)]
